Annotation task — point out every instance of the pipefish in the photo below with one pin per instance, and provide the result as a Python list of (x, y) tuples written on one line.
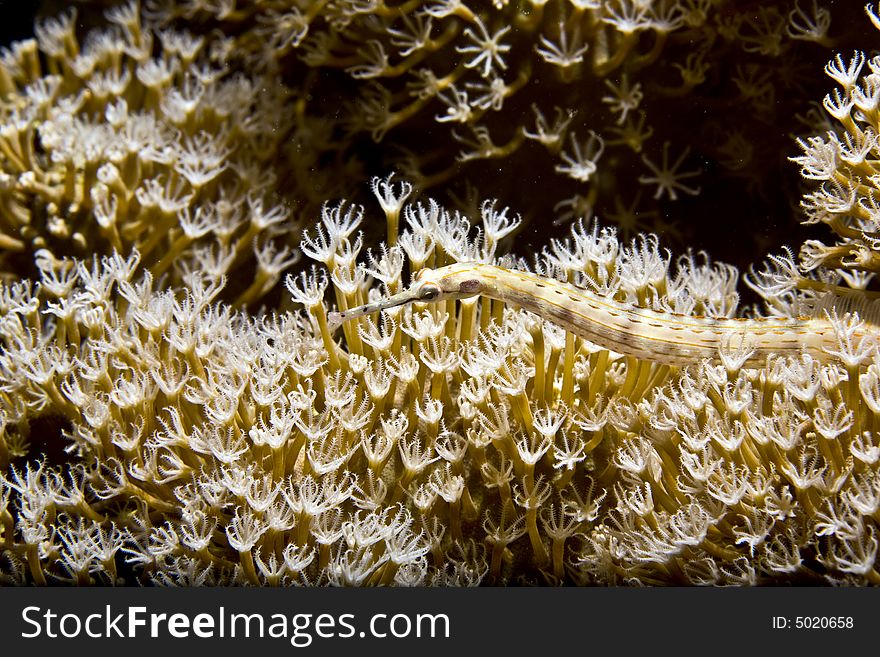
[(662, 337)]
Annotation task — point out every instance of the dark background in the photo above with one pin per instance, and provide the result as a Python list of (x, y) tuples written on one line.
[(17, 19)]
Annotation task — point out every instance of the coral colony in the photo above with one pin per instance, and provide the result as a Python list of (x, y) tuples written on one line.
[(215, 371)]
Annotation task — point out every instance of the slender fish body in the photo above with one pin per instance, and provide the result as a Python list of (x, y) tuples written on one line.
[(661, 337)]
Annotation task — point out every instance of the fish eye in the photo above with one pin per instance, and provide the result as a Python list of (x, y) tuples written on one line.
[(429, 293)]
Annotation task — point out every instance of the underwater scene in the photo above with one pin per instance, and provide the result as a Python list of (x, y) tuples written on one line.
[(440, 293)]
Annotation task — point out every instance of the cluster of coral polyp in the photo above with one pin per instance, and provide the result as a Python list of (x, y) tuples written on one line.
[(157, 426), (140, 139)]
